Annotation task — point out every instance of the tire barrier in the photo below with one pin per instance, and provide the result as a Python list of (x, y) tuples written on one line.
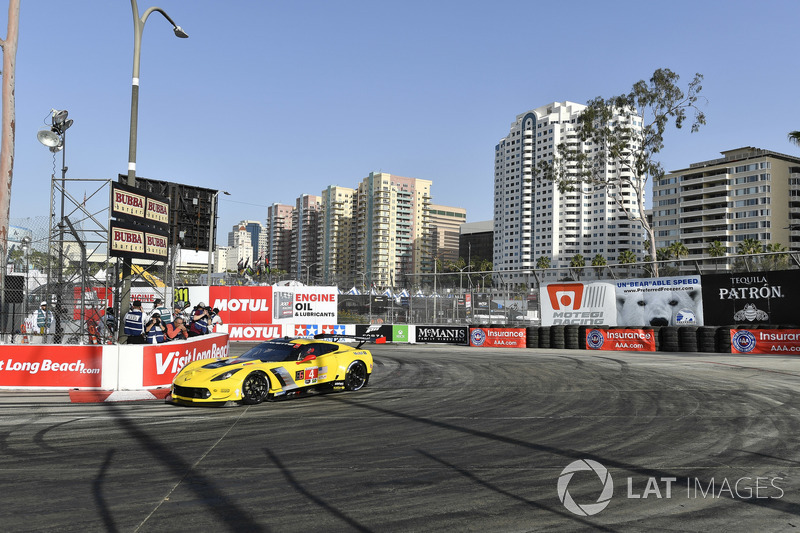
[(557, 337), (706, 339), (571, 336), (687, 338), (532, 336), (544, 337)]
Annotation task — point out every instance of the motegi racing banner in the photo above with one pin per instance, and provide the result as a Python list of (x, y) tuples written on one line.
[(626, 340), (578, 303), (668, 301), (442, 334), (751, 298), (163, 361), (765, 341), (43, 365), (498, 337)]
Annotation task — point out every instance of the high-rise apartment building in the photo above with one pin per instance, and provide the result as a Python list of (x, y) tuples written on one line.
[(533, 219), (241, 250), (305, 237), (337, 235), (445, 224), (279, 236), (749, 193), (392, 230)]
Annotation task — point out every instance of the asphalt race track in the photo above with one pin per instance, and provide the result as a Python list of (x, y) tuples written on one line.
[(442, 439)]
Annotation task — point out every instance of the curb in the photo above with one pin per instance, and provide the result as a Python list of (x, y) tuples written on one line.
[(99, 396)]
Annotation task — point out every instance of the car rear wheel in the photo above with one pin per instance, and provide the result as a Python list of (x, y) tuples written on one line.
[(255, 388), (356, 376)]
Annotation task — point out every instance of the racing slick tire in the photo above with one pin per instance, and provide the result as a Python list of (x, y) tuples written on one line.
[(255, 388), (356, 376)]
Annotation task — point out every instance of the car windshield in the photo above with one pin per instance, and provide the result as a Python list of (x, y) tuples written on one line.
[(272, 351)]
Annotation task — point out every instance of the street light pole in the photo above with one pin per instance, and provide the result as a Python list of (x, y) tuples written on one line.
[(138, 28), (212, 231)]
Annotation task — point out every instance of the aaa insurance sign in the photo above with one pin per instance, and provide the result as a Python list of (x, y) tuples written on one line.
[(578, 303)]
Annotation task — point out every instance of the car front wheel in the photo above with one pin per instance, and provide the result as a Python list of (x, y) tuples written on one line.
[(356, 376), (255, 388)]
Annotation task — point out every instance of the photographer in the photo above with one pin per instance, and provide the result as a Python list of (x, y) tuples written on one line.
[(200, 319), (154, 330), (177, 329)]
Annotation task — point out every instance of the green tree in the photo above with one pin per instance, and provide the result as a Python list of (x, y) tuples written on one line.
[(677, 249), (543, 262), (577, 263), (626, 257), (776, 260), (749, 248), (599, 263), (626, 132), (794, 137), (716, 249)]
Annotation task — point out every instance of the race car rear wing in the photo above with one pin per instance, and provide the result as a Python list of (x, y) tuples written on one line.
[(361, 339)]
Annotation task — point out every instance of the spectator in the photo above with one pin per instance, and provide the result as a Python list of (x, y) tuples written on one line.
[(163, 311), (44, 322), (215, 320), (110, 322), (177, 329), (200, 318), (154, 330), (134, 324)]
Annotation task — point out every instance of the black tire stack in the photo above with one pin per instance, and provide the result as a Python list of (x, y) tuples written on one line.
[(656, 331), (571, 337), (669, 339), (707, 339), (532, 337), (544, 337), (582, 336), (687, 338), (557, 337), (723, 338)]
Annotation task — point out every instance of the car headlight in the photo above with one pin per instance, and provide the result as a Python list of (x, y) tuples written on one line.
[(226, 375)]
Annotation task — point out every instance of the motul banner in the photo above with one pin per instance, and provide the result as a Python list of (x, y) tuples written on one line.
[(765, 341), (625, 340), (43, 365), (161, 362), (497, 337)]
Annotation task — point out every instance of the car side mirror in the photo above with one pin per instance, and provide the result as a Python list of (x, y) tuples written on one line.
[(307, 358)]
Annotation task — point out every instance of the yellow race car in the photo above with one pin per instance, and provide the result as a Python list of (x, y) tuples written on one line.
[(278, 368)]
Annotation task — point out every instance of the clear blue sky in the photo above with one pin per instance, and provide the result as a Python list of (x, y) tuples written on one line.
[(269, 100)]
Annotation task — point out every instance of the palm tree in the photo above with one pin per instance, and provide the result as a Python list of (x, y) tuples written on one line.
[(748, 247), (577, 263), (775, 262), (717, 249), (678, 250), (543, 262), (599, 263), (794, 137), (626, 257)]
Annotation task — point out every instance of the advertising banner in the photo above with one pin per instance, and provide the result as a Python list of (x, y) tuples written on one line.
[(578, 303), (497, 337), (162, 362), (133, 241), (626, 340), (139, 206), (751, 298), (765, 341), (442, 334), (667, 301), (309, 330), (400, 333), (41, 365), (384, 330), (312, 304)]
